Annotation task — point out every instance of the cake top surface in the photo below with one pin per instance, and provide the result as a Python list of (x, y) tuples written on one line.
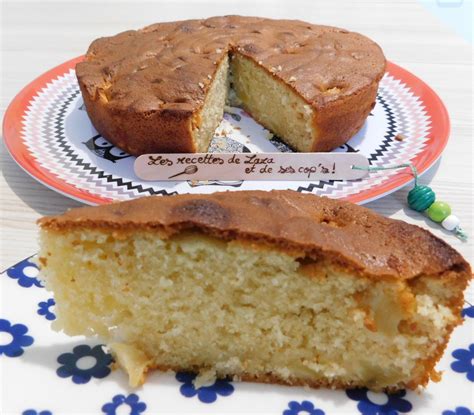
[(316, 227), (169, 66)]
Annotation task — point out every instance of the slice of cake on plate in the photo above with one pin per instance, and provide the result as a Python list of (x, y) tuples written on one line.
[(264, 286)]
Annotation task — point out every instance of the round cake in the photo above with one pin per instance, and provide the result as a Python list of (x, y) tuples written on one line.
[(163, 88)]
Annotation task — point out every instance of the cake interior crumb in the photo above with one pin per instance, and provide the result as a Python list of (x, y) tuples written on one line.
[(192, 302), (242, 82)]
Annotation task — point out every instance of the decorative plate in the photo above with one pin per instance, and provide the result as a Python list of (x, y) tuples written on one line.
[(49, 134), (48, 373)]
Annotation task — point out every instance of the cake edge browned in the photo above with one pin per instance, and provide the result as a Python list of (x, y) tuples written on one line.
[(316, 227)]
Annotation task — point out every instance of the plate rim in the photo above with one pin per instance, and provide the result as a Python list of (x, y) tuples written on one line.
[(437, 137)]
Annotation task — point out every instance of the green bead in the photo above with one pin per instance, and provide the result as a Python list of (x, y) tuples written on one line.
[(438, 211), (421, 198)]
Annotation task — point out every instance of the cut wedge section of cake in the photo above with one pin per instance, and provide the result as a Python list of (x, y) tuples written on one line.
[(263, 286)]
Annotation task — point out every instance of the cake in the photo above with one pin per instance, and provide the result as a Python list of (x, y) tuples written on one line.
[(276, 287), (163, 88)]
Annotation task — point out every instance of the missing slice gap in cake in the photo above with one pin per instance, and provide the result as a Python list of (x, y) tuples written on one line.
[(240, 81)]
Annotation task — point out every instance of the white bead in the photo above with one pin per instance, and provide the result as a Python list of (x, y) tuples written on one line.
[(450, 223)]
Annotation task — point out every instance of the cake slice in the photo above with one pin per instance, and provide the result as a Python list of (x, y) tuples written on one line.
[(276, 287)]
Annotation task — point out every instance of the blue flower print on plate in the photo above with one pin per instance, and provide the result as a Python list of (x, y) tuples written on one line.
[(380, 403), (303, 408), (468, 311), (44, 309), (206, 394), (25, 272), (460, 410), (132, 400), (464, 362), (84, 363), (33, 412), (13, 338)]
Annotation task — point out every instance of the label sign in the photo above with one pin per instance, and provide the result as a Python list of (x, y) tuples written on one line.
[(250, 166)]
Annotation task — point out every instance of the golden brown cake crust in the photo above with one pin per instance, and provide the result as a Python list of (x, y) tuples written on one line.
[(313, 227), (278, 380), (139, 85)]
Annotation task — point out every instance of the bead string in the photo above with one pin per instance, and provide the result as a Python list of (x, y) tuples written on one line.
[(423, 199)]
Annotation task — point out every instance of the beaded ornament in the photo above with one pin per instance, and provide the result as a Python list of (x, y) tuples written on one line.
[(423, 199)]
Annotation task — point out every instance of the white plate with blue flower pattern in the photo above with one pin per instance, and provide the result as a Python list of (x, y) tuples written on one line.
[(48, 373)]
